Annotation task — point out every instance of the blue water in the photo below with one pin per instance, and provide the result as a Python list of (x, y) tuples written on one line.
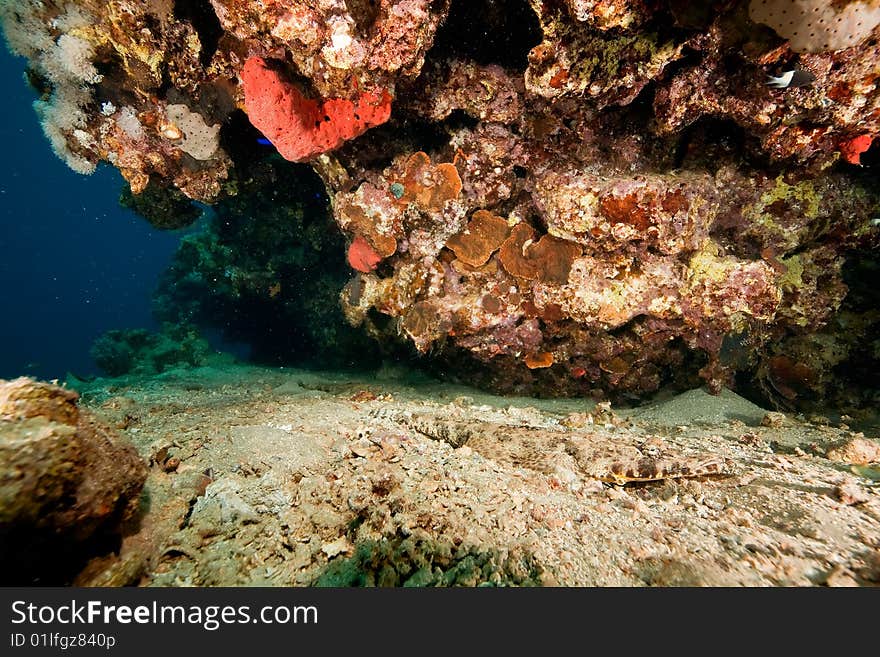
[(73, 263)]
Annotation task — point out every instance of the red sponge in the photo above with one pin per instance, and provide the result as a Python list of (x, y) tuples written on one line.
[(362, 256), (299, 127), (852, 149)]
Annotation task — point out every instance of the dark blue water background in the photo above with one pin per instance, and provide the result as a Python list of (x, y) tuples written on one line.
[(73, 263)]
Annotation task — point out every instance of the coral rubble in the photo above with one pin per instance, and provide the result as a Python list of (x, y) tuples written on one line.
[(612, 201)]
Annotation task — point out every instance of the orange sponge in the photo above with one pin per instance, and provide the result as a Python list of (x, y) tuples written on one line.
[(852, 149), (299, 127)]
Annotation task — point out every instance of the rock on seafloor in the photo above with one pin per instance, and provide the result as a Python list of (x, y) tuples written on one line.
[(68, 483)]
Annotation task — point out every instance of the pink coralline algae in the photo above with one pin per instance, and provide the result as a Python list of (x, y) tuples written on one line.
[(301, 128)]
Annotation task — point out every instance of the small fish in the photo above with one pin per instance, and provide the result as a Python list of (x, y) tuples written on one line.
[(797, 77), (263, 141)]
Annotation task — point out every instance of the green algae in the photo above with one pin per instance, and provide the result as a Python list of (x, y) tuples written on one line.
[(412, 562)]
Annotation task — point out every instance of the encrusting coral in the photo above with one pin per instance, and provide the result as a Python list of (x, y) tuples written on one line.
[(554, 197)]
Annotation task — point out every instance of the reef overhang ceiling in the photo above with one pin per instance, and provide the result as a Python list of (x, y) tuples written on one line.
[(576, 195)]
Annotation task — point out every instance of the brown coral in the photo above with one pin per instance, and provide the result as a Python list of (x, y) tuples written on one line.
[(539, 361), (425, 323), (483, 236), (548, 260), (428, 186)]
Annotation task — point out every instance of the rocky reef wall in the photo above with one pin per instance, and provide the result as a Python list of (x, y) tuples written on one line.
[(551, 197)]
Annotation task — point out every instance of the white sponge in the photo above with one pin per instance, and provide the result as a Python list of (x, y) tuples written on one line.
[(199, 139), (818, 25)]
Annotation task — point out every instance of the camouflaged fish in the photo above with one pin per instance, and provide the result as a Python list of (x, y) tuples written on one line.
[(597, 456), (649, 469), (651, 461)]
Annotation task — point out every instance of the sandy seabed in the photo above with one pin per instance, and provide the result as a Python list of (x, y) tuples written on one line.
[(286, 477)]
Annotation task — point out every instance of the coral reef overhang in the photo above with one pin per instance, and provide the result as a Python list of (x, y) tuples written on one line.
[(551, 197)]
